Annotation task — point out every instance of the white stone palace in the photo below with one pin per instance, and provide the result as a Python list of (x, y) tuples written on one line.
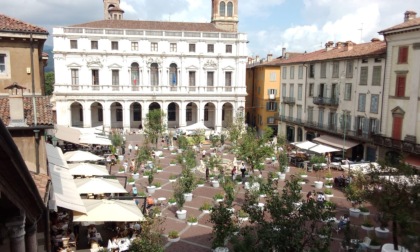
[(111, 72)]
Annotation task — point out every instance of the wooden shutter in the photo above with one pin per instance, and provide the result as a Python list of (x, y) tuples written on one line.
[(400, 86), (403, 55), (397, 127)]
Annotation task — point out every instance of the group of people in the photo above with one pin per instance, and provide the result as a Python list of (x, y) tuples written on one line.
[(342, 181), (319, 198)]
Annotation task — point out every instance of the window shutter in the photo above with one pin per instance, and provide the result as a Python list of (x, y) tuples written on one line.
[(400, 87), (275, 106), (365, 128), (267, 106)]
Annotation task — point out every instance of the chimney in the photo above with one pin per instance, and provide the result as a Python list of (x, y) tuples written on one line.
[(375, 40), (349, 45), (329, 45), (17, 117), (409, 15), (257, 59), (269, 57), (339, 44), (283, 52), (250, 60)]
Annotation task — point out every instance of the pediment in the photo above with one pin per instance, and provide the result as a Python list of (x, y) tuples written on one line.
[(192, 67), (228, 68), (115, 65), (74, 65), (398, 111)]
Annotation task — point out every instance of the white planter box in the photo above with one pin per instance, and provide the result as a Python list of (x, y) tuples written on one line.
[(172, 180), (131, 183), (367, 228), (182, 215), (206, 211), (136, 176), (172, 204), (287, 169), (151, 189), (303, 175), (172, 164), (192, 223), (242, 219), (354, 212), (389, 247), (200, 185), (318, 184), (215, 183), (301, 182), (219, 200), (328, 179), (174, 239), (328, 186), (381, 233), (188, 197), (282, 176)]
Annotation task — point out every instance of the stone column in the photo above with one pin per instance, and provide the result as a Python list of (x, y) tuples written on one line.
[(87, 117), (182, 116), (107, 117), (16, 230), (218, 123), (31, 241), (126, 117), (201, 112)]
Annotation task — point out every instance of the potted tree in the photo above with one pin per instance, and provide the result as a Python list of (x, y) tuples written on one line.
[(283, 162), (151, 188), (180, 201), (173, 236), (354, 194), (136, 174), (328, 193), (316, 161)]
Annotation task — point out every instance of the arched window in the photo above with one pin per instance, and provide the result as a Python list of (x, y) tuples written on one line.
[(230, 9), (222, 9), (154, 74), (135, 74), (173, 74)]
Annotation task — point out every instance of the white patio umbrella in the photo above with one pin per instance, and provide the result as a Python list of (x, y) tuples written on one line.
[(306, 145), (320, 148), (86, 169), (109, 210), (98, 186), (81, 156)]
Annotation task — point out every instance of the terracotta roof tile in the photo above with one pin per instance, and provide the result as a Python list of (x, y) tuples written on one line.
[(151, 25), (8, 24), (370, 49), (407, 24), (41, 182), (43, 110), (5, 110)]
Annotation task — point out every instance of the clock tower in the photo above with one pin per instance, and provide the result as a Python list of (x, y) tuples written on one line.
[(224, 14)]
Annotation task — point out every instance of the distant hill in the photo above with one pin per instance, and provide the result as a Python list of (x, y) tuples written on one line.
[(50, 67)]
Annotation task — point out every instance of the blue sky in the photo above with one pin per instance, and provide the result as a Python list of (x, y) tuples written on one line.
[(297, 25)]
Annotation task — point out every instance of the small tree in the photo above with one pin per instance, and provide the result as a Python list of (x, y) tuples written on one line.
[(150, 238), (230, 192), (236, 129), (198, 137), (116, 140), (154, 125), (49, 83), (214, 139), (356, 191), (144, 154), (223, 225), (179, 195), (182, 142), (215, 162)]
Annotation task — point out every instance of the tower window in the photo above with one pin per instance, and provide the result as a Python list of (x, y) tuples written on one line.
[(222, 9), (230, 9)]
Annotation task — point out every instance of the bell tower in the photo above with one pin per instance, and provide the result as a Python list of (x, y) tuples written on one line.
[(224, 14), (112, 10)]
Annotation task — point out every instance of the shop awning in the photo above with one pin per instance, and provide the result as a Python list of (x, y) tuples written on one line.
[(336, 142), (413, 160), (82, 136), (65, 192)]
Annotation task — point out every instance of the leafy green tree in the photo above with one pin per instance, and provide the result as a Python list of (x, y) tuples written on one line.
[(116, 140), (253, 149), (235, 130), (150, 238), (282, 154), (182, 142), (154, 125), (198, 137), (49, 83), (215, 162), (144, 154), (187, 180), (223, 225)]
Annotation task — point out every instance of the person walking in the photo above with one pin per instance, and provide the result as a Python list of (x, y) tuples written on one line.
[(130, 148), (243, 169), (136, 148), (233, 173)]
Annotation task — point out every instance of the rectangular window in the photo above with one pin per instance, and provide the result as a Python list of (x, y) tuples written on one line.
[(270, 120), (311, 90), (336, 69), (284, 73), (300, 72), (210, 48), (283, 90), (349, 69), (374, 102), (228, 48), (283, 109), (75, 76), (114, 45), (310, 114), (73, 44), (206, 114), (362, 103), (347, 91), (2, 63), (273, 76), (210, 80), (272, 91), (403, 55), (115, 77), (154, 47), (292, 90), (191, 47), (376, 75), (95, 77), (292, 72), (271, 106), (311, 72), (321, 90), (299, 112), (321, 117), (228, 81), (81, 114), (400, 85), (188, 114), (363, 76), (134, 46), (119, 114), (290, 111), (300, 88), (94, 45), (173, 47), (323, 73), (191, 78), (137, 113)]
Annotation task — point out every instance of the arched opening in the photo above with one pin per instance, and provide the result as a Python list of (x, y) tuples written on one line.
[(154, 74), (76, 114), (227, 115), (210, 115), (135, 76), (96, 114), (135, 116), (153, 106), (299, 135), (290, 134), (173, 115), (230, 9), (222, 9), (116, 115), (191, 113), (173, 74)]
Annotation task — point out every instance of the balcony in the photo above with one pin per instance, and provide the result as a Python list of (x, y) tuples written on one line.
[(288, 100), (325, 101), (400, 145), (142, 89), (271, 96)]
